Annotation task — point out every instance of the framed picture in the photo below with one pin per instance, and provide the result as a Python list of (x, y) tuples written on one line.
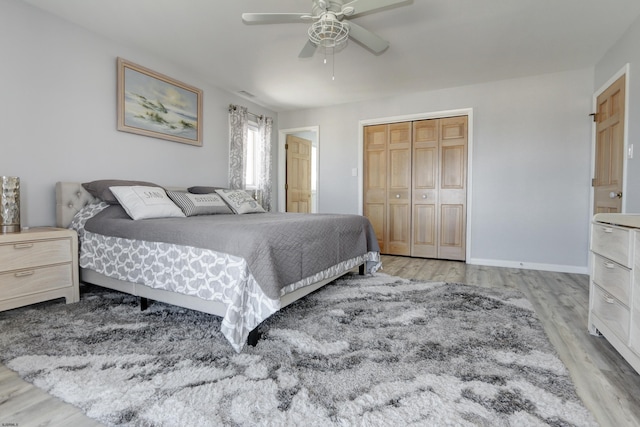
[(155, 105)]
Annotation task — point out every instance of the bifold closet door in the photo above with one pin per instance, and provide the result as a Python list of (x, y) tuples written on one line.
[(415, 176), (439, 170), (375, 180), (387, 185), (425, 167), (398, 238)]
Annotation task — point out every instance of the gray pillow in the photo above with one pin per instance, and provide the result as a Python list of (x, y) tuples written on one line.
[(199, 204), (202, 189), (100, 188)]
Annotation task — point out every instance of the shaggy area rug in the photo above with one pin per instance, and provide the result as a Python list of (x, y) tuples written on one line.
[(364, 350)]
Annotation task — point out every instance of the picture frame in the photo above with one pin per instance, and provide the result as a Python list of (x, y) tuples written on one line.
[(155, 105)]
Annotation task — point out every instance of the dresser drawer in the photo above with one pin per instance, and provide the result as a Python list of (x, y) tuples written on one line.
[(611, 312), (612, 242), (37, 280), (613, 278), (28, 254)]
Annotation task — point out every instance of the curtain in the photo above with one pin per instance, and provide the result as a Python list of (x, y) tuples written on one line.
[(238, 126), (263, 193), (238, 133)]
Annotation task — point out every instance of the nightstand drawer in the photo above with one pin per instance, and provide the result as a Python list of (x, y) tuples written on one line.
[(612, 242), (28, 254), (37, 280), (613, 278), (612, 313)]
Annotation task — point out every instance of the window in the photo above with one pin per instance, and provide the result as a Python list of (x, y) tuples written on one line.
[(252, 161)]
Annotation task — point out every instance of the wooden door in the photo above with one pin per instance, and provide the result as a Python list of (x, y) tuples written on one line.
[(415, 187), (452, 190), (439, 170), (375, 180), (425, 167), (298, 185), (607, 183), (398, 218)]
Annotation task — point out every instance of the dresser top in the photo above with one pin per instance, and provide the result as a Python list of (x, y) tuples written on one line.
[(625, 220)]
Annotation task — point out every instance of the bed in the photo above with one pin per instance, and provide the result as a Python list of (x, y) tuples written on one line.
[(241, 267)]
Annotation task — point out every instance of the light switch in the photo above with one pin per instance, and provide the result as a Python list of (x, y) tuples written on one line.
[(354, 172)]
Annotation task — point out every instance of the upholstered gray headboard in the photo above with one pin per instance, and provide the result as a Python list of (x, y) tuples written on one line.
[(70, 198)]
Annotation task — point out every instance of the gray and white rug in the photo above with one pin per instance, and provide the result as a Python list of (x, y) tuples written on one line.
[(363, 351)]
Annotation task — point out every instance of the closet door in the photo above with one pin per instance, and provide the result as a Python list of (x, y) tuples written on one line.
[(425, 166), (439, 170), (453, 188), (415, 187), (375, 180), (398, 238)]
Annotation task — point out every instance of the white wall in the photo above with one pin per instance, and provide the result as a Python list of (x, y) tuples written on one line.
[(58, 114), (531, 163), (626, 51)]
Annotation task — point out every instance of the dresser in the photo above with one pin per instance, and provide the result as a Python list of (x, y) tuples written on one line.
[(36, 265), (614, 294)]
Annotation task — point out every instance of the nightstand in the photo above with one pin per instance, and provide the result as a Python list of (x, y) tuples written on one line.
[(38, 264)]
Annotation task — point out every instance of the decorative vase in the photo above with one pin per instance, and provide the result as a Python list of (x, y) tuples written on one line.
[(10, 204)]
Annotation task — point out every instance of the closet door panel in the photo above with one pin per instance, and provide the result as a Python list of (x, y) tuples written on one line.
[(375, 180), (453, 188), (425, 177), (398, 241)]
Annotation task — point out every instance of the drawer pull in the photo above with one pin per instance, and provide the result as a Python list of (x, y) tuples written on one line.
[(608, 299), (24, 273), (609, 265), (607, 229), (23, 245)]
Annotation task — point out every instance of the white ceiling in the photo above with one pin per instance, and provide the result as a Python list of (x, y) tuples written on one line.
[(433, 43)]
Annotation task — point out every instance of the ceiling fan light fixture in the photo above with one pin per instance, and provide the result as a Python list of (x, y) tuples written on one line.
[(328, 31)]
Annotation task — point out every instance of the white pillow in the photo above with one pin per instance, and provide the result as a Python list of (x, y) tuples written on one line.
[(199, 204), (142, 202), (240, 201)]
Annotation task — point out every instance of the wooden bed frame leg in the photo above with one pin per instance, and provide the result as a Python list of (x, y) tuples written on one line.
[(254, 337), (144, 303), (361, 269)]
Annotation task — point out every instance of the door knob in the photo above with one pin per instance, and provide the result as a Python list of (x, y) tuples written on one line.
[(613, 195), (397, 196), (424, 196)]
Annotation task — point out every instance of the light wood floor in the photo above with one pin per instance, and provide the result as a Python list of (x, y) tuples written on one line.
[(609, 387)]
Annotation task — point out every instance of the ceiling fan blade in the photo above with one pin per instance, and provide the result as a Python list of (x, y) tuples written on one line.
[(365, 37), (274, 18), (308, 50), (364, 6)]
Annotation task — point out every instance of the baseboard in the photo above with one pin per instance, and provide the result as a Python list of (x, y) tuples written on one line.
[(558, 268)]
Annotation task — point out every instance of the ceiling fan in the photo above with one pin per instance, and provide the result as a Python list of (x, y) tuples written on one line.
[(330, 26)]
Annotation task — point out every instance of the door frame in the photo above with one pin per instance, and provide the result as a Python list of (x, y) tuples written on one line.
[(282, 165), (414, 117), (627, 150)]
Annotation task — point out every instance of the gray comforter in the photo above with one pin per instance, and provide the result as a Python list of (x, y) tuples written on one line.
[(280, 248)]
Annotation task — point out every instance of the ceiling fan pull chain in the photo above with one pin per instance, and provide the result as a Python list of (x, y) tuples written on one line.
[(333, 64)]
